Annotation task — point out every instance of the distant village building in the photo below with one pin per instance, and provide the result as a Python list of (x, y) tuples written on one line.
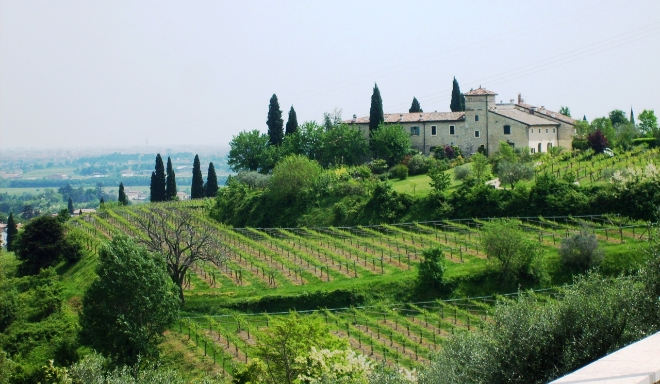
[(483, 125), (183, 196), (82, 211)]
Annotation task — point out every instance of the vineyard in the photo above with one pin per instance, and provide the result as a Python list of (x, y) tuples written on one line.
[(273, 258), (396, 335), (590, 168)]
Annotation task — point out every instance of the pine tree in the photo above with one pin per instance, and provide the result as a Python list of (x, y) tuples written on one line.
[(170, 184), (584, 117), (211, 186), (457, 98), (415, 107), (158, 181), (275, 122), (70, 205), (122, 195), (292, 123), (102, 201), (632, 116), (12, 231), (376, 115), (197, 188)]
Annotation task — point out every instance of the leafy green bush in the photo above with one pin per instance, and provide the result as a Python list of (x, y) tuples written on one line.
[(418, 165), (462, 172), (399, 171), (432, 268), (531, 343), (581, 251), (512, 253), (378, 166), (253, 179)]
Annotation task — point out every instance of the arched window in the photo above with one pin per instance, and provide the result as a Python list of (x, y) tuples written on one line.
[(540, 148), (549, 146)]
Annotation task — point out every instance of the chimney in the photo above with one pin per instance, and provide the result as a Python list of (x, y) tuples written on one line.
[(354, 117), (519, 98), (400, 116), (421, 116), (532, 110)]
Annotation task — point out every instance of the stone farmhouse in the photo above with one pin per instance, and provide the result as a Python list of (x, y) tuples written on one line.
[(483, 125)]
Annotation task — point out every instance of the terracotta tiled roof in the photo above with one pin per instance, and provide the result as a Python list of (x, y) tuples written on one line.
[(543, 111), (480, 91), (413, 117), (523, 117)]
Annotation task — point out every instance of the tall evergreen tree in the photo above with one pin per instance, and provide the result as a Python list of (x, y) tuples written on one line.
[(275, 122), (170, 183), (123, 200), (211, 186), (197, 188), (292, 123), (376, 115), (415, 107), (632, 116), (584, 117), (158, 181), (457, 98), (102, 201), (12, 231), (70, 205)]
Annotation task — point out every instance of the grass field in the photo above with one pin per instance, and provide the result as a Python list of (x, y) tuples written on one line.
[(419, 185)]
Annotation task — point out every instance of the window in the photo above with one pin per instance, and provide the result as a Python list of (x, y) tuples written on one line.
[(452, 129), (476, 133), (549, 146), (476, 117), (539, 132), (553, 130), (533, 150), (414, 131), (507, 129), (434, 130), (531, 130), (540, 148), (546, 130)]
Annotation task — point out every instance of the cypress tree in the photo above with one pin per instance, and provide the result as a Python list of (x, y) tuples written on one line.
[(197, 188), (211, 186), (158, 181), (632, 116), (122, 195), (102, 201), (12, 230), (376, 115), (292, 123), (457, 98), (415, 107), (275, 122), (70, 205), (584, 117), (170, 184)]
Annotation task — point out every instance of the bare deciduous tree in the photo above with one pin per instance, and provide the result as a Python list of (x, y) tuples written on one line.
[(180, 238)]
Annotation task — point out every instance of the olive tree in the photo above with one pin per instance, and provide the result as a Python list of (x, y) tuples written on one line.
[(581, 251), (178, 236)]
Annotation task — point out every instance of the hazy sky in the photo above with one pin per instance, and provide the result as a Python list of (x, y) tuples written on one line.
[(114, 73)]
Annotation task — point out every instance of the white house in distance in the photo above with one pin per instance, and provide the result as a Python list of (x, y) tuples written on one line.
[(483, 125)]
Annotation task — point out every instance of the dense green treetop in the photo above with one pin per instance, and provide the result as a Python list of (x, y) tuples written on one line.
[(275, 123), (211, 186), (344, 145), (127, 309), (197, 187), (292, 122), (70, 205), (648, 122), (158, 181), (12, 231), (246, 151), (415, 107), (457, 103), (617, 116), (565, 111), (170, 184), (391, 143), (42, 243), (376, 115)]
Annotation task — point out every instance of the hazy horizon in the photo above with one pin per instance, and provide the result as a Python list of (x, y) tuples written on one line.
[(77, 74)]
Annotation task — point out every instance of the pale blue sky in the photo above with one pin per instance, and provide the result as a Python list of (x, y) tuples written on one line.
[(112, 73)]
